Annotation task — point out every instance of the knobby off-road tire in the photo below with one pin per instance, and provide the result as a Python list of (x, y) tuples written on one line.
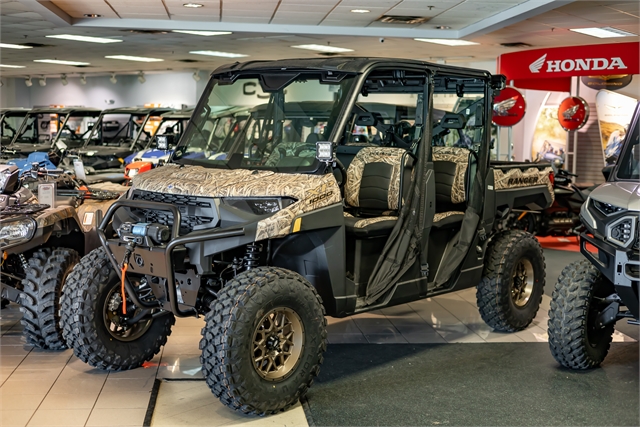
[(241, 318), (90, 288), (508, 300), (574, 339), (40, 296)]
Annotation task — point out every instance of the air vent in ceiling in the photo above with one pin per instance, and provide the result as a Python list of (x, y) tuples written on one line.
[(189, 61), (328, 54), (515, 44), (36, 44), (146, 31), (410, 20)]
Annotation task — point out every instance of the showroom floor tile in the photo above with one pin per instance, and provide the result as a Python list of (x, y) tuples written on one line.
[(39, 388)]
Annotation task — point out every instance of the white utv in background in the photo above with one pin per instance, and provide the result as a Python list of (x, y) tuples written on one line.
[(590, 294)]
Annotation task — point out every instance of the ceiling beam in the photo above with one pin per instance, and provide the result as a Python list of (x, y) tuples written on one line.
[(49, 11)]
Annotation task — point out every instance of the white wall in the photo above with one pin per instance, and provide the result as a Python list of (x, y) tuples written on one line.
[(171, 89)]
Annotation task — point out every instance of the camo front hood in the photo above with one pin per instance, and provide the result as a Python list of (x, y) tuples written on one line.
[(312, 191)]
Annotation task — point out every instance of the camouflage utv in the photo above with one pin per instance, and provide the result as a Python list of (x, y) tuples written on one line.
[(363, 206), (40, 244)]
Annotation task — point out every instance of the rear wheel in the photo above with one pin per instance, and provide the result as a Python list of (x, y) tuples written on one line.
[(263, 341), (40, 296), (510, 292), (575, 339), (96, 328)]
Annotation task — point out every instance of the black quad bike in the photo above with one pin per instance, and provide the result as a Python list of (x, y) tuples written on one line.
[(40, 244), (277, 233), (591, 295)]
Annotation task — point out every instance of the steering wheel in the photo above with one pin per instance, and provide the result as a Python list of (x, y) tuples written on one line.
[(343, 179)]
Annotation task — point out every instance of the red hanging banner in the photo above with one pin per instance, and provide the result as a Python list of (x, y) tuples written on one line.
[(552, 68)]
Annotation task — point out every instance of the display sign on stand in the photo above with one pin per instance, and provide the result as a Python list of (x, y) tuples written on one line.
[(508, 110), (573, 113)]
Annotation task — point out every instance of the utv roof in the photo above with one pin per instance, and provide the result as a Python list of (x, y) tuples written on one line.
[(19, 111), (178, 114), (346, 64), (138, 110), (79, 111)]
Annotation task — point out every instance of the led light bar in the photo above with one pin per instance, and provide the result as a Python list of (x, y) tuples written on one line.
[(603, 33), (134, 58), (60, 62), (448, 42), (323, 48), (216, 53), (84, 38), (202, 33)]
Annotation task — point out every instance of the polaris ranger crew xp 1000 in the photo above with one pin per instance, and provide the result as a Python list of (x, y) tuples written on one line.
[(268, 239)]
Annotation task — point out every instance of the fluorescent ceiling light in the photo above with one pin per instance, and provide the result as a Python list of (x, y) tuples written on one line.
[(323, 48), (194, 5), (14, 46), (84, 38), (11, 66), (360, 11), (60, 62), (448, 42), (134, 58), (220, 54), (203, 33), (603, 33)]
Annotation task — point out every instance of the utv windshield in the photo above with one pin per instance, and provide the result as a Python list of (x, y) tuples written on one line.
[(630, 160), (123, 130), (39, 128), (171, 128), (286, 115)]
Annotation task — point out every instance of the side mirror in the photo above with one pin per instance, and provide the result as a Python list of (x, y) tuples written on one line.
[(606, 171), (365, 119), (453, 121)]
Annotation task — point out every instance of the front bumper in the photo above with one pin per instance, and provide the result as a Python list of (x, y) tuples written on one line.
[(158, 260), (620, 267)]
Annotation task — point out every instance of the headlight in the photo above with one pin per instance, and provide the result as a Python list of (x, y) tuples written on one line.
[(17, 231), (132, 172), (622, 231), (606, 208), (260, 206)]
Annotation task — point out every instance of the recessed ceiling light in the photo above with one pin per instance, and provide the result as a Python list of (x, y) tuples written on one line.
[(11, 66), (194, 5), (448, 42), (443, 27), (134, 58), (14, 46), (60, 62), (323, 48), (203, 33), (84, 38), (360, 11), (220, 54), (603, 33), (92, 15)]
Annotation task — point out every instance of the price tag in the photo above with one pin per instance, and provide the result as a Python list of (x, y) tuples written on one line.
[(47, 194), (78, 167)]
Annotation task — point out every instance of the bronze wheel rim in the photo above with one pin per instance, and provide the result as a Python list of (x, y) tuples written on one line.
[(113, 318), (522, 283), (277, 344)]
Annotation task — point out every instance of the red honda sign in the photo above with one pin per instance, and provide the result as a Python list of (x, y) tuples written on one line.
[(508, 107), (529, 68), (573, 113)]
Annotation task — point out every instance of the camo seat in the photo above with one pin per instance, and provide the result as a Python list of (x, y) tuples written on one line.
[(373, 191), (450, 166)]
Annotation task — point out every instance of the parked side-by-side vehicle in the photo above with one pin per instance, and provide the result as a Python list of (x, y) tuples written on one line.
[(334, 212)]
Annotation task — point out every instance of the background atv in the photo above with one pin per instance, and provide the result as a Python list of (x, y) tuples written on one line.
[(589, 295), (40, 245), (265, 240)]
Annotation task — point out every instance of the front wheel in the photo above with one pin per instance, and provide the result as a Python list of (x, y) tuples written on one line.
[(575, 339), (263, 341), (510, 291), (96, 328)]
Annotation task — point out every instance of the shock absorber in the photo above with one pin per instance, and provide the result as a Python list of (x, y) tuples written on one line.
[(252, 258)]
